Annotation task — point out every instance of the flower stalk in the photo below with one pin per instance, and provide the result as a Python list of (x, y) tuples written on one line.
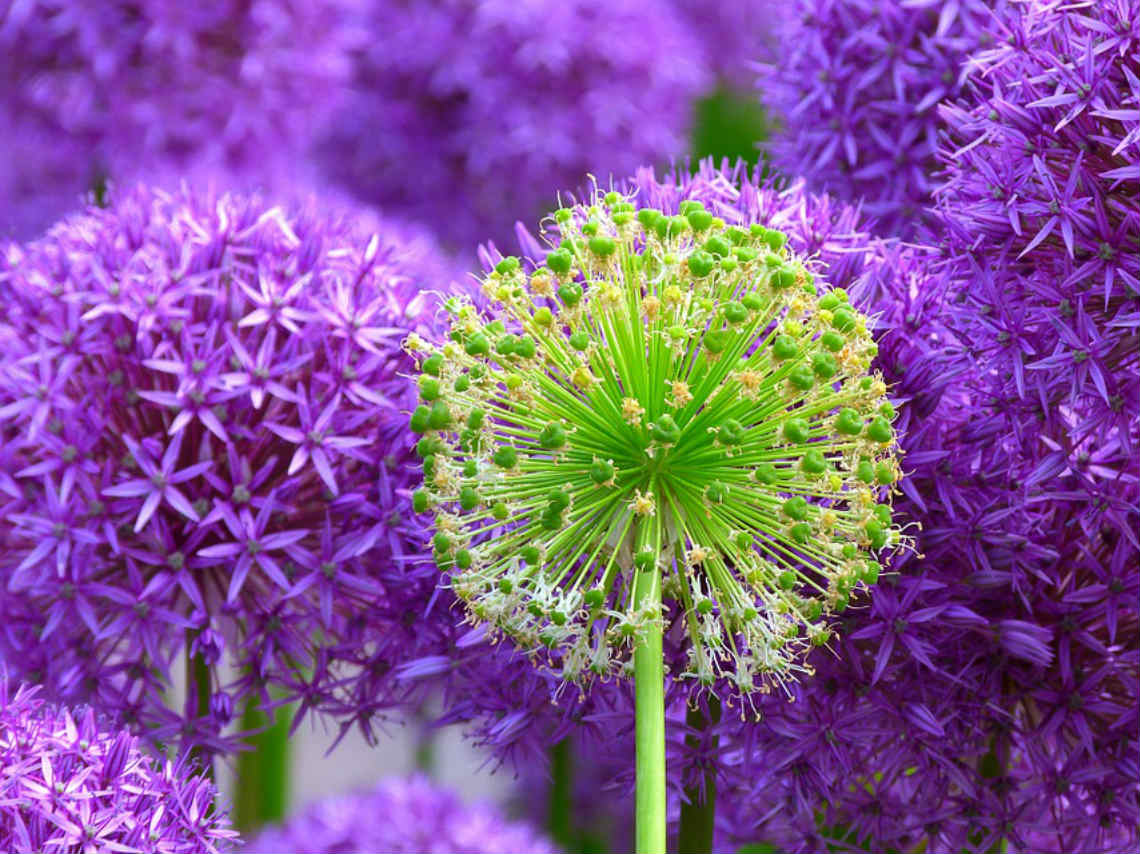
[(698, 809), (649, 692)]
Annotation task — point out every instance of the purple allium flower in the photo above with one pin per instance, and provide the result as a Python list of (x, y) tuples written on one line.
[(401, 816), (991, 689), (857, 83), (204, 449), (67, 783), (1041, 211), (491, 106), (129, 87)]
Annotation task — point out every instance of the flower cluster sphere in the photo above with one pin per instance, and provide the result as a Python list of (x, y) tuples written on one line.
[(664, 393), (500, 103), (402, 817), (69, 784), (1041, 210), (857, 84), (202, 447)]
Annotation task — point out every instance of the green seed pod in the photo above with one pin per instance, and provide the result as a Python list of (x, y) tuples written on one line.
[(785, 347), (477, 345), (570, 293), (468, 498), (552, 437), (813, 462), (735, 312), (849, 422), (418, 423), (440, 416), (701, 264), (603, 247), (880, 430), (796, 508), (506, 457), (832, 341), (824, 365), (429, 388), (796, 430), (601, 472)]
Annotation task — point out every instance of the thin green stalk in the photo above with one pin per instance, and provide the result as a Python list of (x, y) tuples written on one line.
[(559, 822), (198, 688), (698, 811), (262, 792), (649, 688)]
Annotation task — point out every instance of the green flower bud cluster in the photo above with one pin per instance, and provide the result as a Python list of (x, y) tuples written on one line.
[(666, 394)]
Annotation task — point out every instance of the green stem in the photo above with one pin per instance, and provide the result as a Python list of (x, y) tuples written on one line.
[(561, 794), (262, 792), (649, 689), (698, 808), (198, 688)]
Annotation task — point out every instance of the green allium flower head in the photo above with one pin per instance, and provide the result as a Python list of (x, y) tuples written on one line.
[(666, 394)]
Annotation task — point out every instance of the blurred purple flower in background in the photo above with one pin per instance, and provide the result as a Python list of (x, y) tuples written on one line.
[(470, 115), (67, 783), (732, 35), (856, 84), (204, 453), (142, 88), (399, 816)]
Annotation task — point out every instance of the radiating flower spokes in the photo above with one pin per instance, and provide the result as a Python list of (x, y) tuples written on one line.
[(666, 394)]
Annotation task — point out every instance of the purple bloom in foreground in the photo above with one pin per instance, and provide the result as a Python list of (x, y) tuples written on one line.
[(1041, 212), (857, 84), (202, 425), (67, 783), (412, 816), (133, 88), (492, 106)]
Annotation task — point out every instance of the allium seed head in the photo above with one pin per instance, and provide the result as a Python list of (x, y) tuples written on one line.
[(665, 394)]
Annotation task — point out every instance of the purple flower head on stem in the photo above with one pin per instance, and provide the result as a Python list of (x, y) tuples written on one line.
[(1041, 210), (71, 784), (201, 415), (856, 84)]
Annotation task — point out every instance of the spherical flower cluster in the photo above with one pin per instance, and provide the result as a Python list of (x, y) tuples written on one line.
[(498, 104), (1041, 212), (1012, 638), (857, 83), (131, 87), (204, 456), (69, 784), (402, 817), (666, 394)]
